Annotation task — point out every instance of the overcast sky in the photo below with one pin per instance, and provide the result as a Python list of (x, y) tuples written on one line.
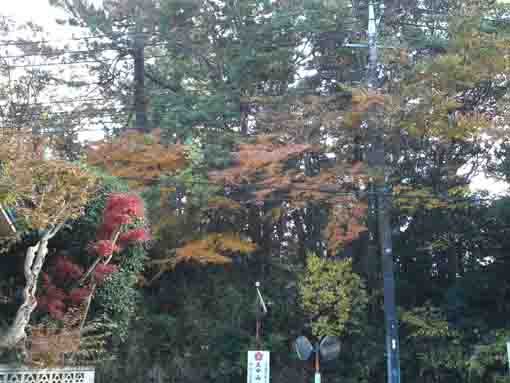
[(41, 13), (38, 11)]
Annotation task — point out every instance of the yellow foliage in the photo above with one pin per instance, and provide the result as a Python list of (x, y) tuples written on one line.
[(199, 251), (362, 99), (46, 193), (164, 221), (220, 202), (213, 248), (410, 198)]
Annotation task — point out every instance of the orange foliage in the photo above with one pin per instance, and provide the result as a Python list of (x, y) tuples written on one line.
[(137, 157), (214, 248), (220, 202), (364, 99), (261, 159), (265, 165), (345, 223)]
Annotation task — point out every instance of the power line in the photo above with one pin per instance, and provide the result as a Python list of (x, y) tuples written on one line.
[(108, 36), (85, 100), (403, 38), (61, 52), (83, 112), (325, 189), (98, 61), (70, 63)]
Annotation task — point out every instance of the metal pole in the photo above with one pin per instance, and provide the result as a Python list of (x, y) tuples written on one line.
[(261, 311), (317, 377), (377, 160), (257, 333)]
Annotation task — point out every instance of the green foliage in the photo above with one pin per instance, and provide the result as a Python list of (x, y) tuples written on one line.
[(118, 296), (428, 322), (94, 340), (332, 296), (194, 177), (432, 345), (489, 360)]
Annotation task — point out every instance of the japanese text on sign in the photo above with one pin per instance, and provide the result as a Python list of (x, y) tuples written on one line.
[(258, 366)]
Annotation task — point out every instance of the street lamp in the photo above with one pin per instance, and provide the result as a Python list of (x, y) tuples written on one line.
[(326, 348)]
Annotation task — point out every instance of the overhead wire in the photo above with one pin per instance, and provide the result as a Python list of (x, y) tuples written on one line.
[(21, 41), (104, 60), (324, 189), (95, 61)]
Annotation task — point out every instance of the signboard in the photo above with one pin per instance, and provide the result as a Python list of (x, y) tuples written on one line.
[(317, 377), (258, 366), (508, 353)]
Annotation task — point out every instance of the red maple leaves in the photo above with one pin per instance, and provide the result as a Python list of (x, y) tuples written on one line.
[(139, 234), (53, 301), (103, 248), (102, 271), (65, 289), (120, 209), (67, 270)]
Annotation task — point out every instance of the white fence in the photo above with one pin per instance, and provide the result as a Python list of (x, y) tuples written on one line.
[(49, 375)]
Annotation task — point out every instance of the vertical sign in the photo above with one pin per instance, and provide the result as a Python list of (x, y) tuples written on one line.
[(508, 354), (258, 366), (317, 377)]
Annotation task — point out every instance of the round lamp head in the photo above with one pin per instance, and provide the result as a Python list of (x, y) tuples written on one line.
[(329, 348), (303, 348)]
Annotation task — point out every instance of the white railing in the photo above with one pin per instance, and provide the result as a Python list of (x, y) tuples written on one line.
[(46, 375)]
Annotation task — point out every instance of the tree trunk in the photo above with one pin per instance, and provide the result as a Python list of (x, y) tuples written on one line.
[(34, 261)]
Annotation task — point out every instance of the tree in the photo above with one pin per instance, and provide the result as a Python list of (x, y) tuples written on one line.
[(46, 194), (332, 296), (137, 157), (262, 167), (69, 286)]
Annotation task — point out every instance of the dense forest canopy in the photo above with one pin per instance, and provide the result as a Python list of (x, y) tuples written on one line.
[(239, 146)]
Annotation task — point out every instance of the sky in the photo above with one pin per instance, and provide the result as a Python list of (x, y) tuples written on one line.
[(37, 11), (41, 13)]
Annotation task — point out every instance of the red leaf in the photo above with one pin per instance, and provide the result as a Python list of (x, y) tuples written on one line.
[(78, 295), (138, 234), (104, 248), (103, 270), (65, 269)]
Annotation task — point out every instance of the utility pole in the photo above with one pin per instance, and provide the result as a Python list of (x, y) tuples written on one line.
[(139, 74), (379, 197)]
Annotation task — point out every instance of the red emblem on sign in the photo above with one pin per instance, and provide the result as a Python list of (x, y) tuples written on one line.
[(259, 356)]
